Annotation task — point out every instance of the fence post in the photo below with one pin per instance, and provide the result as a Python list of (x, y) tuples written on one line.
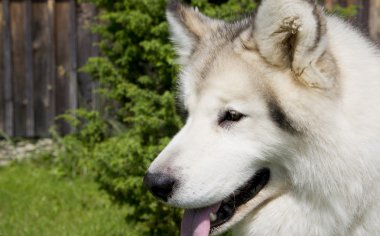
[(51, 64), (29, 85), (73, 84), (374, 20), (8, 88)]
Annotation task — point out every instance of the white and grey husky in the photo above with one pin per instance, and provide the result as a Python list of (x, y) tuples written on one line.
[(283, 133)]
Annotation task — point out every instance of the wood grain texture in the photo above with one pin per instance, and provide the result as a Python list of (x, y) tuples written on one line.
[(29, 83), (86, 14), (42, 45), (363, 15), (43, 67), (62, 39), (73, 62), (7, 71), (2, 104), (17, 11), (374, 20), (52, 68)]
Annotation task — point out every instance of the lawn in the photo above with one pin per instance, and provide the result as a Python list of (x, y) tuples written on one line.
[(35, 201)]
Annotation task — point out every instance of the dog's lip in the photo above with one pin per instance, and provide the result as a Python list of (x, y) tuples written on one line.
[(239, 197)]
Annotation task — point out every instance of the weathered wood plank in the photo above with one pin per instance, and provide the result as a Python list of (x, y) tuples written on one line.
[(62, 57), (374, 20), (17, 9), (86, 14), (52, 68), (8, 86), (73, 77), (29, 83), (363, 15), (43, 67), (2, 104), (329, 4)]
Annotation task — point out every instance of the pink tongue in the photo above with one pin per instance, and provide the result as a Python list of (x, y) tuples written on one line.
[(196, 222)]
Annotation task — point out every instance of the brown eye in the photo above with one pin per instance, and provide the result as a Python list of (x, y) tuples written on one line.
[(230, 116)]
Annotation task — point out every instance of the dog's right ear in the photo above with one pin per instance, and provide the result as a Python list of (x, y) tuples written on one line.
[(293, 34), (187, 26)]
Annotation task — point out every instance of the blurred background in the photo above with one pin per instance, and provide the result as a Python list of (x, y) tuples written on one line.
[(87, 100)]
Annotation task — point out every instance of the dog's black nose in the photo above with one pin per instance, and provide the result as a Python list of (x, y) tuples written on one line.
[(159, 184)]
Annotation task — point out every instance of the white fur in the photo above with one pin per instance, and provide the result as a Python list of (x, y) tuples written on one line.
[(182, 39), (325, 181)]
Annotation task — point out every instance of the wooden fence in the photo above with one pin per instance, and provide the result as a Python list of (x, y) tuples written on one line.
[(42, 44)]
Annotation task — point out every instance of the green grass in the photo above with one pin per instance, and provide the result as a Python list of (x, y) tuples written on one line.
[(34, 201)]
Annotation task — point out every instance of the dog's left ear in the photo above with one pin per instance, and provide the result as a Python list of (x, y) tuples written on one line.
[(187, 26), (292, 34)]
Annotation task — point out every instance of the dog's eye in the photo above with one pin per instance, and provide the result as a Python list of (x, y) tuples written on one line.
[(230, 116)]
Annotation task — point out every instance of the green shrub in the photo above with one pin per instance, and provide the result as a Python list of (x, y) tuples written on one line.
[(75, 152), (346, 12), (123, 161)]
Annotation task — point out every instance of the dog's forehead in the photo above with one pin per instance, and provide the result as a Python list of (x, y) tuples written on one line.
[(227, 78), (234, 74), (217, 63)]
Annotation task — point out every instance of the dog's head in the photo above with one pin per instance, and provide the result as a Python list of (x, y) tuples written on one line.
[(247, 86)]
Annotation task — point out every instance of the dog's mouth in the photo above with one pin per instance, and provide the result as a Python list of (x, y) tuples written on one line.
[(205, 220)]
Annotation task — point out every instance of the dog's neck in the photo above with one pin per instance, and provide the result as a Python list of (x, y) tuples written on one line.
[(336, 196), (343, 185)]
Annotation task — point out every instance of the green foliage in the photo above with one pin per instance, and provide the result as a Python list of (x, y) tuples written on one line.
[(75, 154), (92, 129), (231, 10), (123, 161), (137, 75), (346, 12)]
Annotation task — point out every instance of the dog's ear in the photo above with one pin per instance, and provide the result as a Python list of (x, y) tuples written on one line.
[(187, 26), (293, 34)]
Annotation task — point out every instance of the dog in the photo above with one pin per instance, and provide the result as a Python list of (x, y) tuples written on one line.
[(283, 131)]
